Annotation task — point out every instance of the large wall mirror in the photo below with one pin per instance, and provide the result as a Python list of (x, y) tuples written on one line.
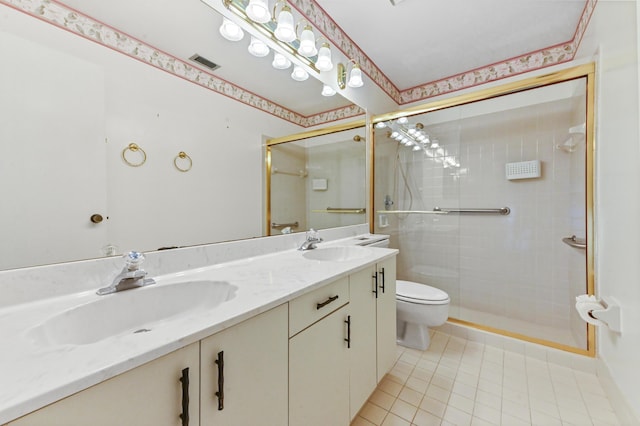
[(317, 179), (72, 185), (489, 197)]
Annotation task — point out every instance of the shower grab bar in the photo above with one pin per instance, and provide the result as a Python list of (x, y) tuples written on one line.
[(284, 225), (503, 211), (299, 173), (341, 210), (573, 241), (411, 212)]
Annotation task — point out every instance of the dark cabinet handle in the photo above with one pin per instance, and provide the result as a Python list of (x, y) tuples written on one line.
[(382, 286), (326, 302), (375, 283), (220, 392), (348, 339), (185, 397)]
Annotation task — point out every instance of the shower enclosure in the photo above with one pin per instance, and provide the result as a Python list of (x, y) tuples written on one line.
[(490, 201)]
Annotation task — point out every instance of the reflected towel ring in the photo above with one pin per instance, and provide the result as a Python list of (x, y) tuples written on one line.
[(183, 155), (134, 148)]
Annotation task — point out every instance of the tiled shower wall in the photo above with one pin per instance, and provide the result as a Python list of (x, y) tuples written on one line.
[(509, 272)]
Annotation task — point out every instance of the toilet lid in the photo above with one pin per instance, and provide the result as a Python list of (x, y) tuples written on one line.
[(417, 293)]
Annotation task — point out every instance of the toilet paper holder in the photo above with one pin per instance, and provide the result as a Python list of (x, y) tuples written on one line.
[(605, 311)]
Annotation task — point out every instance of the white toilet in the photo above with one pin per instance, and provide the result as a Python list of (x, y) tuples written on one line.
[(418, 307)]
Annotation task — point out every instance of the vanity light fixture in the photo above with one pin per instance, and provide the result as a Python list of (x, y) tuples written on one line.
[(327, 90), (258, 48), (324, 58), (278, 32), (230, 30), (280, 61), (307, 46), (299, 74), (258, 11), (285, 30), (355, 76)]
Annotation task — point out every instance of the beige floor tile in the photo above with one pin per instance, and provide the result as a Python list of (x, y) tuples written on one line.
[(382, 399), (360, 421), (410, 396), (373, 413), (424, 418), (403, 409), (393, 420)]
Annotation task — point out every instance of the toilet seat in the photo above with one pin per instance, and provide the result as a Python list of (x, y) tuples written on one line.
[(421, 294)]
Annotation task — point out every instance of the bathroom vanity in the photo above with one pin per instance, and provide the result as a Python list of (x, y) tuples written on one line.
[(297, 338)]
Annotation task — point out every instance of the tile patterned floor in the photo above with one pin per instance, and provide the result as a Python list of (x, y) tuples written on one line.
[(460, 382)]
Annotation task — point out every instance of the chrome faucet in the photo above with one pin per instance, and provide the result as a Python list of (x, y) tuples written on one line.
[(130, 277), (312, 239)]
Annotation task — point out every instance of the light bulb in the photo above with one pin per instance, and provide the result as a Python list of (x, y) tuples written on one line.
[(355, 78), (258, 11), (285, 30), (380, 125), (258, 48), (394, 134), (434, 144), (307, 43), (299, 74), (230, 30), (328, 90), (417, 148), (324, 59), (403, 120), (280, 61)]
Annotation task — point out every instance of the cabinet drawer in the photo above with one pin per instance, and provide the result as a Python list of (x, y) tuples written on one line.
[(309, 308)]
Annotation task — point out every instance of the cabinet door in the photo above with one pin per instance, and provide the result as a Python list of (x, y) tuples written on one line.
[(386, 316), (318, 373), (248, 363), (362, 354), (150, 395)]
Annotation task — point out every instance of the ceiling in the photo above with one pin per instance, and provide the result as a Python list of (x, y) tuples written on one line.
[(411, 44)]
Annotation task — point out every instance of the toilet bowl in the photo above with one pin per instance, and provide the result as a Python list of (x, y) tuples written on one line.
[(418, 307)]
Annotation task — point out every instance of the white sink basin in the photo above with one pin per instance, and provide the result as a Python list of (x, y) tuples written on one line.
[(131, 311), (337, 254)]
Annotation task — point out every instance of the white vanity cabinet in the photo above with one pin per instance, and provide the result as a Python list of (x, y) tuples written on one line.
[(150, 395), (373, 327), (244, 372), (386, 316), (319, 358)]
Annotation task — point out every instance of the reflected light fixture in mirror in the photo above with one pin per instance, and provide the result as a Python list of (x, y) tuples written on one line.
[(280, 61), (307, 45), (324, 58), (299, 74), (327, 90), (414, 137), (230, 30), (257, 48)]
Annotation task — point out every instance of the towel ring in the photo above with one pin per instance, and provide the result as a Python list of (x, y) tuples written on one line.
[(134, 148), (183, 155)]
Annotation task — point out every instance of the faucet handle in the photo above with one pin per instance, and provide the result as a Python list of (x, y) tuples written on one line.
[(133, 260)]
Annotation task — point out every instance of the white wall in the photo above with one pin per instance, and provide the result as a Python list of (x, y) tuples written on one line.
[(153, 205), (612, 39)]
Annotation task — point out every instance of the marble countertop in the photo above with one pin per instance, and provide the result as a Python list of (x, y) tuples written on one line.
[(34, 374)]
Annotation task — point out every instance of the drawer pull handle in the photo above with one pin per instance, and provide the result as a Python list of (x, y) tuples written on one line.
[(348, 339), (220, 392), (375, 283), (382, 286), (185, 397), (326, 302)]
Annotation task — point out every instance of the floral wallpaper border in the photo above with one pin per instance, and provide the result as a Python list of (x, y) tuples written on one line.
[(538, 59), (63, 17)]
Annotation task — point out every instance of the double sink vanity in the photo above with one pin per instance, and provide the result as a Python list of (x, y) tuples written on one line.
[(288, 337)]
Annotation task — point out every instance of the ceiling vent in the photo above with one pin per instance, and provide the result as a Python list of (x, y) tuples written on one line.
[(204, 61)]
